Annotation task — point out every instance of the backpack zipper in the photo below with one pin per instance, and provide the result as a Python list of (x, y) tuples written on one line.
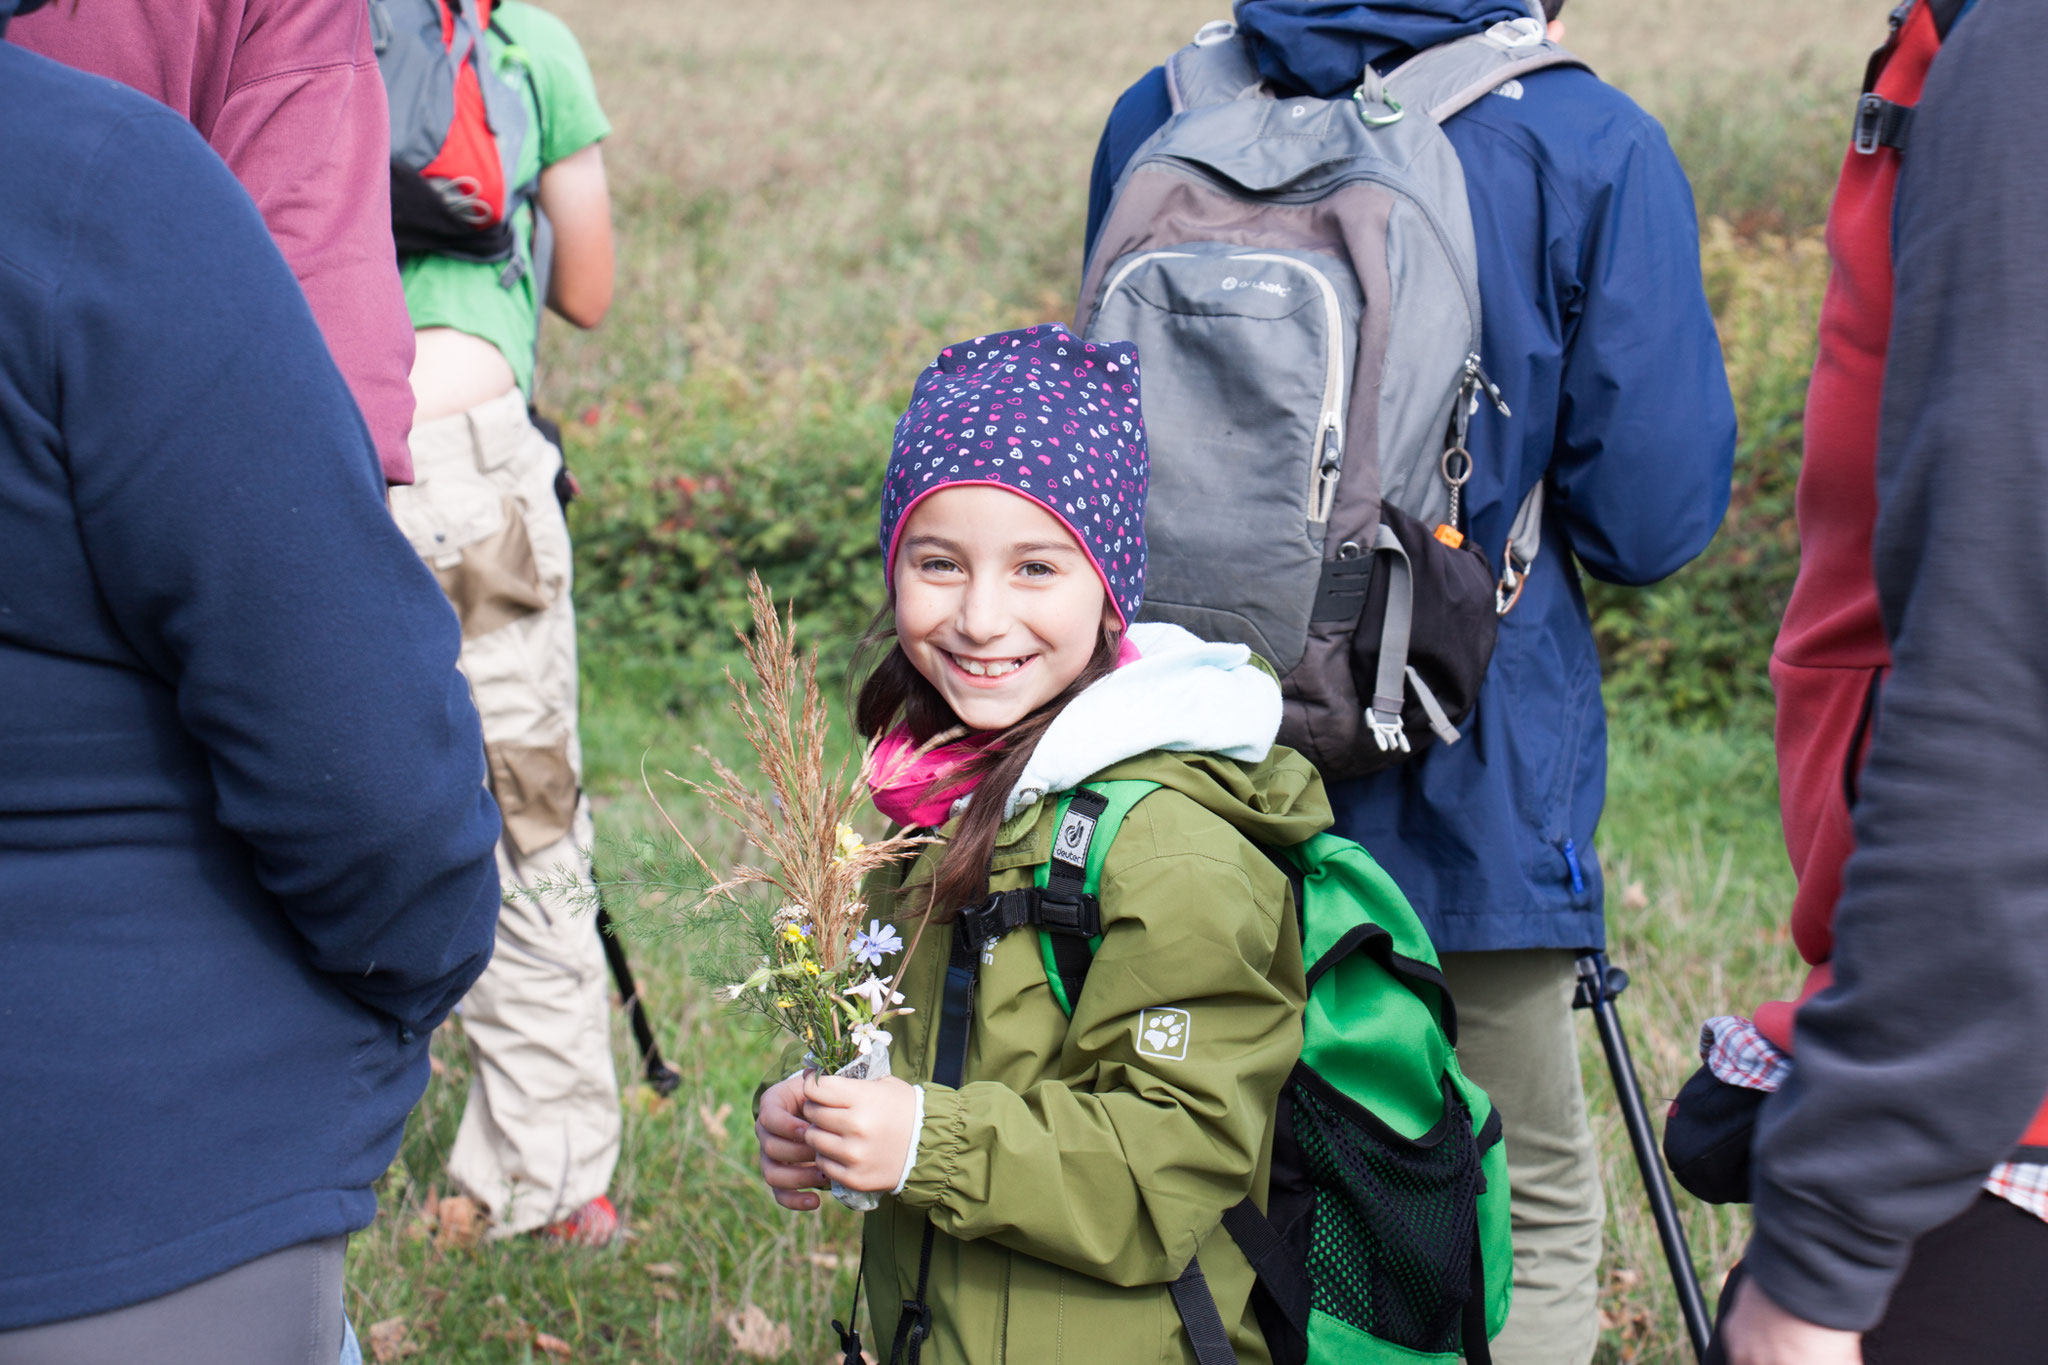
[(1329, 451), (1116, 280)]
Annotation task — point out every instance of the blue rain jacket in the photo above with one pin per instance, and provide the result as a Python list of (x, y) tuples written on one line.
[(1597, 330)]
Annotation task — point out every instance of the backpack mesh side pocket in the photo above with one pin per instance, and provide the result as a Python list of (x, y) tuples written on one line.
[(1390, 1251)]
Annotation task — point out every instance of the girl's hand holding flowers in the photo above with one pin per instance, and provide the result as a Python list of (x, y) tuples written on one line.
[(860, 1131), (787, 1162)]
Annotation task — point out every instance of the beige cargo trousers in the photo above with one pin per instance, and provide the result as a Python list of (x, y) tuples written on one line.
[(540, 1132)]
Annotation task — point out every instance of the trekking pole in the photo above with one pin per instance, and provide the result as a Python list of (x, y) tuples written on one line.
[(1599, 983), (663, 1077)]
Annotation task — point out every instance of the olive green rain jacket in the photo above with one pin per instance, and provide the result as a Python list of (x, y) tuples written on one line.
[(1084, 1162)]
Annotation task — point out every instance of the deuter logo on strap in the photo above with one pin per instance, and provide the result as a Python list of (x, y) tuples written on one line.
[(1075, 832)]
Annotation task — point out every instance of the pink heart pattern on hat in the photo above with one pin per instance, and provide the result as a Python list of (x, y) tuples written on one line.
[(1044, 414)]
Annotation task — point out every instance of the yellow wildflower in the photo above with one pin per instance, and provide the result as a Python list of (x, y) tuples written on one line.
[(811, 968), (848, 842)]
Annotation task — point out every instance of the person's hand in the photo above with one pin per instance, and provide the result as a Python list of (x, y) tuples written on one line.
[(1758, 1332), (860, 1130), (787, 1163)]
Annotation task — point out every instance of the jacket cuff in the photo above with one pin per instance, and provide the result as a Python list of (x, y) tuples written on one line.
[(940, 1143), (910, 1153), (1816, 1267)]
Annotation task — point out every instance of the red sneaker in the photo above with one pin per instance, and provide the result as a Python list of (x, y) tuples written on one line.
[(596, 1224)]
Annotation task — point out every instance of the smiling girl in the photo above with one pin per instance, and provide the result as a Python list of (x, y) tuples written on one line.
[(1047, 1179)]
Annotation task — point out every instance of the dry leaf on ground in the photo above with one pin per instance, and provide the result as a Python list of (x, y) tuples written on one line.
[(756, 1335), (392, 1339), (663, 1270), (1635, 897), (714, 1120), (461, 1222), (824, 1260), (556, 1348), (643, 1100)]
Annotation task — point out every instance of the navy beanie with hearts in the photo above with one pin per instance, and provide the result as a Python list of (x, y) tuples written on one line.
[(1046, 415)]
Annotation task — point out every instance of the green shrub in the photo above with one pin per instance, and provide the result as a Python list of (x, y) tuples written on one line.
[(685, 496)]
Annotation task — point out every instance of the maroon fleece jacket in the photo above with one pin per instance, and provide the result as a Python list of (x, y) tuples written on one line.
[(286, 92)]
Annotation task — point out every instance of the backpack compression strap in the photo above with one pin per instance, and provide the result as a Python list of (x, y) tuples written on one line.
[(1442, 81)]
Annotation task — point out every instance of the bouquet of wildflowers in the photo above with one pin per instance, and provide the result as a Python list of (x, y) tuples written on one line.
[(800, 947)]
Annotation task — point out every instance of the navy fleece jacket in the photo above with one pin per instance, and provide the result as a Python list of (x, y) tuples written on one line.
[(1596, 327), (245, 850)]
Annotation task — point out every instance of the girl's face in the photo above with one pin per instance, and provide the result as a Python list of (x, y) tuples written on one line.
[(996, 604)]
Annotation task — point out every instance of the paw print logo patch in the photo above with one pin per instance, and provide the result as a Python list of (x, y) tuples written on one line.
[(1163, 1033)]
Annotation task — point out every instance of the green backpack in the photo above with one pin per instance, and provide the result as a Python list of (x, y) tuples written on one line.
[(1385, 1235)]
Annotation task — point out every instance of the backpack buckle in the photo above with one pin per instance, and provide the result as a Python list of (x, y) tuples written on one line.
[(1881, 123), (1869, 114), (1080, 915)]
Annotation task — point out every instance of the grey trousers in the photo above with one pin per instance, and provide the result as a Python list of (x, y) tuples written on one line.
[(280, 1309), (1517, 1039)]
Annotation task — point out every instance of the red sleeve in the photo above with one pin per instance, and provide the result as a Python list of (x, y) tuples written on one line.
[(306, 130)]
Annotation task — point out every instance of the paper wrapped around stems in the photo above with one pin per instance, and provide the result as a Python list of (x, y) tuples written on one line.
[(871, 1065)]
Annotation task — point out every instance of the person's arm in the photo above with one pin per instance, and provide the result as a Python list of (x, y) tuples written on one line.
[(572, 191), (1120, 1170), (1639, 476), (1140, 112), (307, 131), (229, 499), (574, 196), (1919, 1068)]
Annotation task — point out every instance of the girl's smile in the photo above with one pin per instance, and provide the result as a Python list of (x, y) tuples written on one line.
[(997, 605), (988, 672)]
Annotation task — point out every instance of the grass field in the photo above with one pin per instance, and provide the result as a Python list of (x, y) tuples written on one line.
[(813, 195)]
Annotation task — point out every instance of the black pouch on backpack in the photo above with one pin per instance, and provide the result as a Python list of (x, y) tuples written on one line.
[(1707, 1136), (1453, 627)]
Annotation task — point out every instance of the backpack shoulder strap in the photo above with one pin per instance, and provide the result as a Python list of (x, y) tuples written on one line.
[(1216, 68), (1444, 79), (1087, 823)]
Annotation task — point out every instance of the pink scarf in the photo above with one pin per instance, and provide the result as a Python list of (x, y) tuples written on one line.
[(902, 776)]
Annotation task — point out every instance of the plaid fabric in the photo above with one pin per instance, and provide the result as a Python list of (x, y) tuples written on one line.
[(2022, 1183), (1738, 1054)]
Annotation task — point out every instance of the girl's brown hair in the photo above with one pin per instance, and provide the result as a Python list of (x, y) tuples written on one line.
[(895, 693)]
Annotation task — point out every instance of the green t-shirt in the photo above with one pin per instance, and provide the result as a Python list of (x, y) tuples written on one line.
[(470, 295)]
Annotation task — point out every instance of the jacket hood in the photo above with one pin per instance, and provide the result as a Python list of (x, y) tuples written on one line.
[(1182, 694), (1322, 47), (1189, 714)]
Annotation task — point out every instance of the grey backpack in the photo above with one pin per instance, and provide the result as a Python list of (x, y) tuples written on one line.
[(1300, 279), (457, 132)]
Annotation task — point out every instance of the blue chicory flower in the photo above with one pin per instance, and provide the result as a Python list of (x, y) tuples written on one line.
[(876, 942)]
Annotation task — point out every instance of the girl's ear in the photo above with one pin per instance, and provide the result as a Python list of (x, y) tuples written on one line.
[(1112, 623)]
